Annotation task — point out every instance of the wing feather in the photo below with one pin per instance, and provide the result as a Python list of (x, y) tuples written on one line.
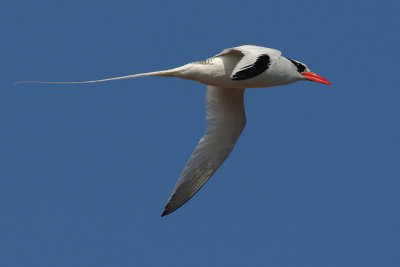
[(254, 61), (225, 122)]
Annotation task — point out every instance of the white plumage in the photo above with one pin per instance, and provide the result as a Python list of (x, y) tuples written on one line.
[(226, 75)]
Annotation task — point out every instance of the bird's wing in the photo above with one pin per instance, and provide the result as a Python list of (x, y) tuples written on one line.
[(254, 61), (225, 122)]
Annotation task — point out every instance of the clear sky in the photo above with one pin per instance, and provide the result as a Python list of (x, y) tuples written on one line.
[(85, 170)]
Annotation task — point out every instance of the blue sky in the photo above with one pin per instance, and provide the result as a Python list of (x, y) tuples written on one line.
[(86, 169)]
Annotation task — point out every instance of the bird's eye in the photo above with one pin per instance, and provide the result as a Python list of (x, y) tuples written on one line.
[(300, 67)]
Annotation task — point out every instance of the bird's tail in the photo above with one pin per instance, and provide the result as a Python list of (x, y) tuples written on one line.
[(170, 72)]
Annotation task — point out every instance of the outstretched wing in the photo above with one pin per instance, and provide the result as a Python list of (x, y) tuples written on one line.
[(225, 122), (254, 61)]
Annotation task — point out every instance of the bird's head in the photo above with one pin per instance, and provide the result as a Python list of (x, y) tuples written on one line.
[(303, 73)]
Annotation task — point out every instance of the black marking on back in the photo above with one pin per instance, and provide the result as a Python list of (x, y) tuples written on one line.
[(300, 67), (259, 66), (204, 62)]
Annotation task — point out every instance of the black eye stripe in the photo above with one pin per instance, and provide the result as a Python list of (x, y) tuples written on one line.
[(300, 67)]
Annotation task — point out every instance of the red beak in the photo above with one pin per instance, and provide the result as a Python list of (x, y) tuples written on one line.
[(315, 77)]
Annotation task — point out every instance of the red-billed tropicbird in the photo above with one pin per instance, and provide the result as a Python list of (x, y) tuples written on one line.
[(226, 75)]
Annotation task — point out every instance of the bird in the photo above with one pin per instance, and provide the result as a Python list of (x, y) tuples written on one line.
[(226, 76)]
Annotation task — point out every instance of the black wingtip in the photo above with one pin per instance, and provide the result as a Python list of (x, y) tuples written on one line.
[(261, 64), (167, 210)]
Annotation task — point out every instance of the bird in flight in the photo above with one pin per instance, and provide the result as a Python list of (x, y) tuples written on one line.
[(226, 75)]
